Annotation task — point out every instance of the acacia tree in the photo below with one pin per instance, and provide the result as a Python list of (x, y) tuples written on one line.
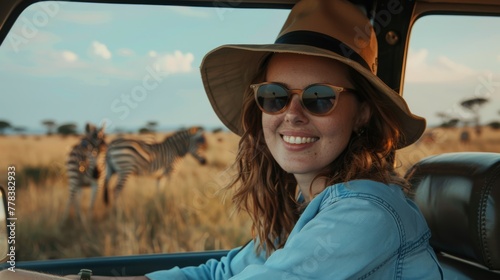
[(151, 126), (67, 129), (50, 124), (144, 130), (447, 120), (474, 105), (4, 125)]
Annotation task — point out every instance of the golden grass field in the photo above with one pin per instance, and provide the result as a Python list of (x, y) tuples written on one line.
[(184, 215)]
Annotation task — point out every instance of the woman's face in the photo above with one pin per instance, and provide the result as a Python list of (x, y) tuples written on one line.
[(322, 138)]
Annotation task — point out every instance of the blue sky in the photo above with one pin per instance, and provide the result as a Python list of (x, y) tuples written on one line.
[(73, 62)]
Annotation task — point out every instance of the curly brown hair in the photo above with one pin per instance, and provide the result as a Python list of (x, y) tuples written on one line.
[(268, 193)]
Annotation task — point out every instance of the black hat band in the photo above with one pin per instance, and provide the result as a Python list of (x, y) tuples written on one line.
[(322, 41)]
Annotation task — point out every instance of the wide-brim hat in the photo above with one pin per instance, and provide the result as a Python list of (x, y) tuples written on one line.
[(335, 29)]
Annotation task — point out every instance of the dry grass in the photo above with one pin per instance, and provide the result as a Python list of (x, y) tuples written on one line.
[(447, 141), (184, 215)]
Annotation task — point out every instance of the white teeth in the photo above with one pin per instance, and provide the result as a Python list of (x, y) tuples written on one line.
[(299, 140)]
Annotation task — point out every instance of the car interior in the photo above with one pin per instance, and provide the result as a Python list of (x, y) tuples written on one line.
[(458, 195), (458, 192)]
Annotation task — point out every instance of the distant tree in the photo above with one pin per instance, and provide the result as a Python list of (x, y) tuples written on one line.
[(450, 123), (67, 129), (151, 126), (50, 124), (494, 124), (447, 120), (144, 130), (474, 105), (4, 125)]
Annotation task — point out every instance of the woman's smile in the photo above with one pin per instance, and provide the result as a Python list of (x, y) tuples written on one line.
[(297, 140)]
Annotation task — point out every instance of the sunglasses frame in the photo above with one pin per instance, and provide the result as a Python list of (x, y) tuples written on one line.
[(300, 92)]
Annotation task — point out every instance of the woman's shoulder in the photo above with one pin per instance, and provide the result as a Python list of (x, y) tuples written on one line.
[(376, 196), (364, 189)]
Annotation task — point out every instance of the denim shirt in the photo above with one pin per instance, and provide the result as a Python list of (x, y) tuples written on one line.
[(357, 230)]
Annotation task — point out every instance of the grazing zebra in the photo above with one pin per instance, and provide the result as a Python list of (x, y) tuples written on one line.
[(127, 157), (84, 166)]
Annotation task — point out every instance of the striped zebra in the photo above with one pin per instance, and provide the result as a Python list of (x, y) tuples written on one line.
[(84, 166), (126, 157)]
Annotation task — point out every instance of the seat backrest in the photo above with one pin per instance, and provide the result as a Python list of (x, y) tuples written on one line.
[(459, 195)]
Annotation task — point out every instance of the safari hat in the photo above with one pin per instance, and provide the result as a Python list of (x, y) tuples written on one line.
[(335, 29)]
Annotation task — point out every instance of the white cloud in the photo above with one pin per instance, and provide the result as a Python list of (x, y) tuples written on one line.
[(152, 54), (420, 69), (125, 52), (100, 50), (455, 67), (176, 62), (69, 56)]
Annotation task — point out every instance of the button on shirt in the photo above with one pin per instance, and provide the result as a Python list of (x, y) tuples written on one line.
[(361, 229)]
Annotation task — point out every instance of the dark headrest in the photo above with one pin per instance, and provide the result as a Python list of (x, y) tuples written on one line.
[(459, 195)]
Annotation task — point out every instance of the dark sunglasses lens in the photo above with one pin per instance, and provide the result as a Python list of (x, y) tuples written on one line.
[(272, 97), (319, 99)]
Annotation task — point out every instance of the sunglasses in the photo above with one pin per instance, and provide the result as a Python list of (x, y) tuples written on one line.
[(317, 99)]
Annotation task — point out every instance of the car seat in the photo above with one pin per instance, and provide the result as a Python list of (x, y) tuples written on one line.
[(459, 195)]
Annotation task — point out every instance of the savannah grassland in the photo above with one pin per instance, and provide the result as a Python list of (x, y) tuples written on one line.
[(186, 214)]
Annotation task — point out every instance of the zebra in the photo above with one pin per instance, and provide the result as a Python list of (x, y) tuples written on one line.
[(127, 157), (84, 166)]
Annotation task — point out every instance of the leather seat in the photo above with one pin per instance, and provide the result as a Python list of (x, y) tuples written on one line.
[(459, 195)]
